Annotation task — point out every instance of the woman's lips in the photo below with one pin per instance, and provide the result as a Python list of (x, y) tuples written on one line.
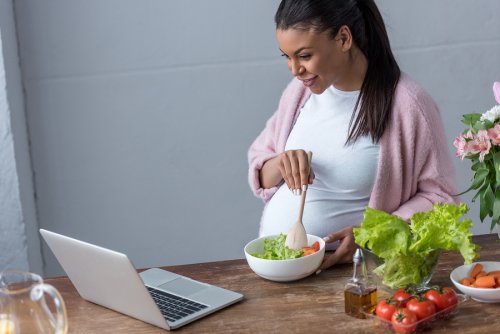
[(309, 82)]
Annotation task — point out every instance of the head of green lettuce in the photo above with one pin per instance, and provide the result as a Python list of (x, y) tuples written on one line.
[(404, 247)]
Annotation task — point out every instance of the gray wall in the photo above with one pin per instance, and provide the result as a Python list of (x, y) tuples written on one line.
[(12, 232), (19, 240), (140, 112)]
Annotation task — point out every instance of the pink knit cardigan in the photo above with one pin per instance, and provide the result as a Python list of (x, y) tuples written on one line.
[(414, 167)]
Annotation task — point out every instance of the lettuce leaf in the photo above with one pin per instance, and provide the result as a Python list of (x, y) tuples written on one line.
[(275, 249), (402, 270), (442, 229), (405, 248), (384, 234)]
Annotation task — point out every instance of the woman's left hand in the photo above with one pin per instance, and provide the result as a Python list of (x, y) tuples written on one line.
[(345, 250)]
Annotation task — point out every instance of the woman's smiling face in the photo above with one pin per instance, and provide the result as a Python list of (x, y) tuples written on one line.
[(318, 60)]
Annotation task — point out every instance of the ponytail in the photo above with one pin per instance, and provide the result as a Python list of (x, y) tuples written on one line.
[(382, 76)]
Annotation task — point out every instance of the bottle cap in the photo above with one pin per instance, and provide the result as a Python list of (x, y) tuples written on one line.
[(358, 256)]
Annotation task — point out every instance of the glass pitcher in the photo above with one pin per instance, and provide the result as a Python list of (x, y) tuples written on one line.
[(23, 309)]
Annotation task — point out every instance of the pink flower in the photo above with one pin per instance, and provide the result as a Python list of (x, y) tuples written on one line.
[(480, 144), (496, 91), (494, 134), (462, 144)]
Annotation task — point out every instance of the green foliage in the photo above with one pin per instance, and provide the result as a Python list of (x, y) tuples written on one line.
[(471, 119), (485, 180), (486, 177)]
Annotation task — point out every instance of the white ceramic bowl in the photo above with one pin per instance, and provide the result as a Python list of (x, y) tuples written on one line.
[(478, 294), (284, 270)]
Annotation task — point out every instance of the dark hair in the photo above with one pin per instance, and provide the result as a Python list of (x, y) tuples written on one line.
[(367, 27)]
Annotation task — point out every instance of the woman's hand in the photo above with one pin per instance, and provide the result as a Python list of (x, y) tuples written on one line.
[(292, 167), (295, 170), (345, 250)]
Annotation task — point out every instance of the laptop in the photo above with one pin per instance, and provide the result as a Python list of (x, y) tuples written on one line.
[(155, 296)]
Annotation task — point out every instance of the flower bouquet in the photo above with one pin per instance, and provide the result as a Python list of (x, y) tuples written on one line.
[(480, 143)]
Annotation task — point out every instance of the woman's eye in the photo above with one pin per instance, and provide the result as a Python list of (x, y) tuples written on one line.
[(284, 55), (305, 57)]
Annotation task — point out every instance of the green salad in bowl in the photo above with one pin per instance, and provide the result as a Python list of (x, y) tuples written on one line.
[(269, 258), (275, 249), (407, 254)]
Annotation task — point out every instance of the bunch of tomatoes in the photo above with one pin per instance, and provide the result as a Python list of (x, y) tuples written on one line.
[(408, 308)]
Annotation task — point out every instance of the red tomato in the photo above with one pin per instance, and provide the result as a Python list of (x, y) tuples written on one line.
[(404, 321), (401, 296), (443, 298), (385, 309), (422, 307), (315, 246)]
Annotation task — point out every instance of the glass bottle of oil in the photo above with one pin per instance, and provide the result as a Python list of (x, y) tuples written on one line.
[(360, 293)]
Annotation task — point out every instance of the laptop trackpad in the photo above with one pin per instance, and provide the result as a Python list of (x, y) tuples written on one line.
[(182, 286)]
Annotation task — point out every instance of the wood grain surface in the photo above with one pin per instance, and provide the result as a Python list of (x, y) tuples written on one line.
[(311, 305)]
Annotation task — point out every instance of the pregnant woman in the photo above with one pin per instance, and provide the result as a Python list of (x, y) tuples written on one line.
[(376, 136)]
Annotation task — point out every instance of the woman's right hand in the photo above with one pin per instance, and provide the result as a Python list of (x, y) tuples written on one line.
[(292, 167)]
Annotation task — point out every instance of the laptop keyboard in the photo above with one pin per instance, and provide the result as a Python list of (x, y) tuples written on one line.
[(174, 307)]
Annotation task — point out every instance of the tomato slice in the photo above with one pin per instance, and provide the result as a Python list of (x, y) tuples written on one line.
[(315, 246), (308, 250)]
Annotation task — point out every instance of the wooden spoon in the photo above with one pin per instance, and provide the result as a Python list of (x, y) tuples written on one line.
[(297, 237)]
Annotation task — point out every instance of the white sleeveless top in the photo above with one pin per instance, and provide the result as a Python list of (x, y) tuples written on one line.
[(344, 174)]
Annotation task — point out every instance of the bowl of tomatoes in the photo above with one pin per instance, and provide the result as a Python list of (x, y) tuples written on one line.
[(414, 310)]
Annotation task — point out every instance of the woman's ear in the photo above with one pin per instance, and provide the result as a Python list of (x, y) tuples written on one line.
[(345, 37)]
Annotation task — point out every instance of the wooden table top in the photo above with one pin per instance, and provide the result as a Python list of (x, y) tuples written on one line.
[(311, 305)]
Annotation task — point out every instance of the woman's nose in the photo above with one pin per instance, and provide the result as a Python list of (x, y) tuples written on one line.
[(296, 68)]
